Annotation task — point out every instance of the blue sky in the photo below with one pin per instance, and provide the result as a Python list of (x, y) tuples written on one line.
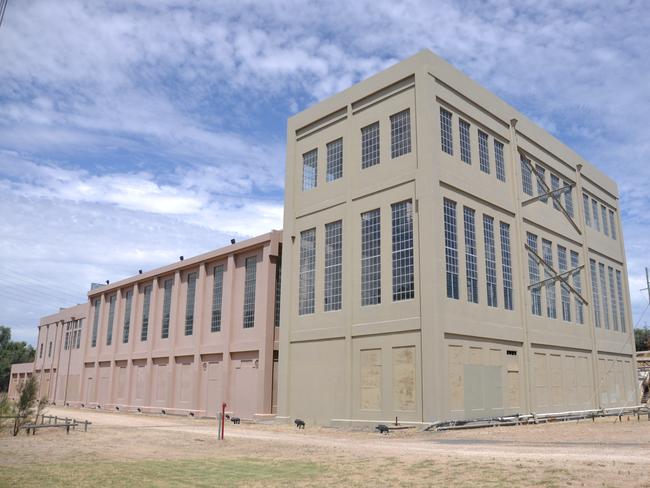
[(132, 132)]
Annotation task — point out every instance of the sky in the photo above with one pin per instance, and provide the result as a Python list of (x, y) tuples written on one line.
[(133, 132)]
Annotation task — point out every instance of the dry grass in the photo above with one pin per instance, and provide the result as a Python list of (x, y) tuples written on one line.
[(131, 450)]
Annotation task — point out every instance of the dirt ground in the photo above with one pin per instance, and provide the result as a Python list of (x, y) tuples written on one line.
[(127, 449)]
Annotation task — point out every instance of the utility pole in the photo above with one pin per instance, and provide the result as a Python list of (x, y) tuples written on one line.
[(647, 286)]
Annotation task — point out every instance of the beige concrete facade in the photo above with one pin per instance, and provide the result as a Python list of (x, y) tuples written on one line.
[(433, 141), (143, 346)]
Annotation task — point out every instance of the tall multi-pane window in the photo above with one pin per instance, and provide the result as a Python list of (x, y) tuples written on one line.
[(309, 169), (612, 296), (371, 257), (499, 161), (526, 176), (97, 302), (167, 305), (217, 298), (402, 252), (603, 213), (594, 214), (471, 258), (400, 133), (603, 291), (465, 145), (146, 304), (127, 317), (533, 276), (547, 255), (49, 350), (189, 303), (333, 265), (370, 145), (568, 199), (564, 290), (451, 248), (621, 304), (278, 288), (250, 280), (585, 204), (506, 265), (577, 284), (307, 278), (483, 153), (334, 160), (555, 185), (446, 137), (490, 261), (111, 317), (541, 183), (612, 224), (594, 289)]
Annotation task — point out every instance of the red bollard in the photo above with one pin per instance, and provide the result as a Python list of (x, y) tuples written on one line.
[(223, 418)]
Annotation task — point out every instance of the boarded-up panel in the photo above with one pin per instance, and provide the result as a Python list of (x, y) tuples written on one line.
[(139, 381), (475, 355), (513, 380), (73, 388), (184, 382), (103, 385), (456, 392), (160, 380), (602, 379), (213, 385), (584, 381), (555, 377), (570, 381), (89, 383), (404, 378), (493, 389), (120, 382), (370, 384), (244, 386), (539, 377)]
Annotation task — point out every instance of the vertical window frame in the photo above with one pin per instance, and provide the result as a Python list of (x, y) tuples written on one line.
[(371, 257), (333, 295), (334, 170), (400, 133), (307, 272), (451, 248), (370, 145), (446, 132), (471, 254), (250, 285), (310, 170), (403, 279)]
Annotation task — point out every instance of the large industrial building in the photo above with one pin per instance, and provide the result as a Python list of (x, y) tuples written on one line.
[(445, 257), (442, 257), (179, 339)]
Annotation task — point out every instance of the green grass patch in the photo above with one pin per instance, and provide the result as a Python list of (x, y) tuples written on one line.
[(169, 473)]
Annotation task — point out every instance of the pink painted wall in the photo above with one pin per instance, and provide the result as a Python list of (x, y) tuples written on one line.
[(185, 373)]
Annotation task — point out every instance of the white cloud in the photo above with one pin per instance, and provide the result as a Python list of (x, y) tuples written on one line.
[(154, 112)]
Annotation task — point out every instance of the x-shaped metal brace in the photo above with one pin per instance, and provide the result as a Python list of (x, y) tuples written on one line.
[(554, 194), (561, 277)]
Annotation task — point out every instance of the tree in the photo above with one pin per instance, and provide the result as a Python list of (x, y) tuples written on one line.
[(642, 339), (11, 353), (24, 407)]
